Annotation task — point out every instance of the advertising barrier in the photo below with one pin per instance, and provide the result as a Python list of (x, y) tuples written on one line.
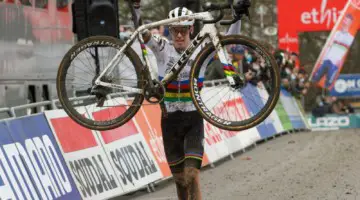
[(347, 85), (266, 128), (85, 157), (334, 122), (220, 143), (32, 166), (291, 109), (49, 156), (128, 153)]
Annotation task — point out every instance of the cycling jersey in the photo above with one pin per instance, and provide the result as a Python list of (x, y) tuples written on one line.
[(342, 42), (177, 96)]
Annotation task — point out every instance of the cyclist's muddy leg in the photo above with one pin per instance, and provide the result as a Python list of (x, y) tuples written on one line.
[(192, 181), (181, 189)]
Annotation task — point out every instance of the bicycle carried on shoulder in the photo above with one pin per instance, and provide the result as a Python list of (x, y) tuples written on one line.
[(104, 95)]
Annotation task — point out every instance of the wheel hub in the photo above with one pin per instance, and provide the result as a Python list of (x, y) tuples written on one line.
[(240, 81), (100, 91)]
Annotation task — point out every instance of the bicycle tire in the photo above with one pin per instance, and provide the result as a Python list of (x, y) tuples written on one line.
[(63, 97), (268, 107)]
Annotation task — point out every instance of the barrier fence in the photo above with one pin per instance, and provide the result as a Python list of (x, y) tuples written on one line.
[(47, 156)]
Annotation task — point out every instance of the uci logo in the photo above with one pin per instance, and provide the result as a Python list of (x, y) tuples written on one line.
[(340, 86)]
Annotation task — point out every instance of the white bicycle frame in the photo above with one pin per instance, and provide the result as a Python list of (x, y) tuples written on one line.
[(208, 30)]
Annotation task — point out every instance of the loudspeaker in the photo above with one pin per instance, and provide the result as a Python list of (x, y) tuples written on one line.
[(95, 17)]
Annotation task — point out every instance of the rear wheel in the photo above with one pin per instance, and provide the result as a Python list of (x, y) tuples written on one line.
[(245, 105), (99, 108)]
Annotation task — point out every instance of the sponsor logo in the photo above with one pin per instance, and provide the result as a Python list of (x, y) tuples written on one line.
[(92, 175), (133, 163), (342, 86), (204, 108), (38, 160), (321, 15), (332, 122), (157, 145), (90, 44), (288, 39)]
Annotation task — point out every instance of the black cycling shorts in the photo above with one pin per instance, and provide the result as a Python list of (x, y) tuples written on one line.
[(183, 137)]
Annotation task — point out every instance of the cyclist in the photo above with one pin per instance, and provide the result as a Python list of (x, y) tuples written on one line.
[(336, 53), (182, 126)]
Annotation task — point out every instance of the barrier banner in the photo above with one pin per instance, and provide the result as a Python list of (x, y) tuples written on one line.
[(330, 62), (302, 112), (334, 122), (148, 118), (284, 118), (85, 157), (254, 103), (9, 187), (149, 121), (220, 143), (290, 107), (347, 85), (273, 117), (128, 152), (32, 166)]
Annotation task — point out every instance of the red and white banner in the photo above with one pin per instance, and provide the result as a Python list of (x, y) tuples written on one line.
[(220, 143), (333, 55), (85, 157), (107, 163), (128, 152), (303, 16), (149, 120)]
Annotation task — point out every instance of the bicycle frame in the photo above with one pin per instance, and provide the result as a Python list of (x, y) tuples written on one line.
[(208, 31)]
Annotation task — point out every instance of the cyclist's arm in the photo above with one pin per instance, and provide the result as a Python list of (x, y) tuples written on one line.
[(235, 28), (157, 44)]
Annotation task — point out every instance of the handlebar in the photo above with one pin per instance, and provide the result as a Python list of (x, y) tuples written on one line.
[(215, 7)]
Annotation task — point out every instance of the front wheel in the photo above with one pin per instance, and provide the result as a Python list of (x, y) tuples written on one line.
[(245, 104)]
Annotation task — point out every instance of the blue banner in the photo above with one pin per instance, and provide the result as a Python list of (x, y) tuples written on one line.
[(254, 103), (292, 110), (347, 85), (7, 189), (32, 162)]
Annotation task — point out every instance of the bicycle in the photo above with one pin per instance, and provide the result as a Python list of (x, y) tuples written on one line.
[(105, 90)]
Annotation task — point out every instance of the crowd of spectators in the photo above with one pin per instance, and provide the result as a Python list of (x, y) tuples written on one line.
[(294, 78), (331, 105)]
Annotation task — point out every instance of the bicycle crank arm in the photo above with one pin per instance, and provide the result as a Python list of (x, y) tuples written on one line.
[(125, 88)]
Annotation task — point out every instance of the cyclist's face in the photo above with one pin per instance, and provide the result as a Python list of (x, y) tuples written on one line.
[(346, 23), (180, 36)]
